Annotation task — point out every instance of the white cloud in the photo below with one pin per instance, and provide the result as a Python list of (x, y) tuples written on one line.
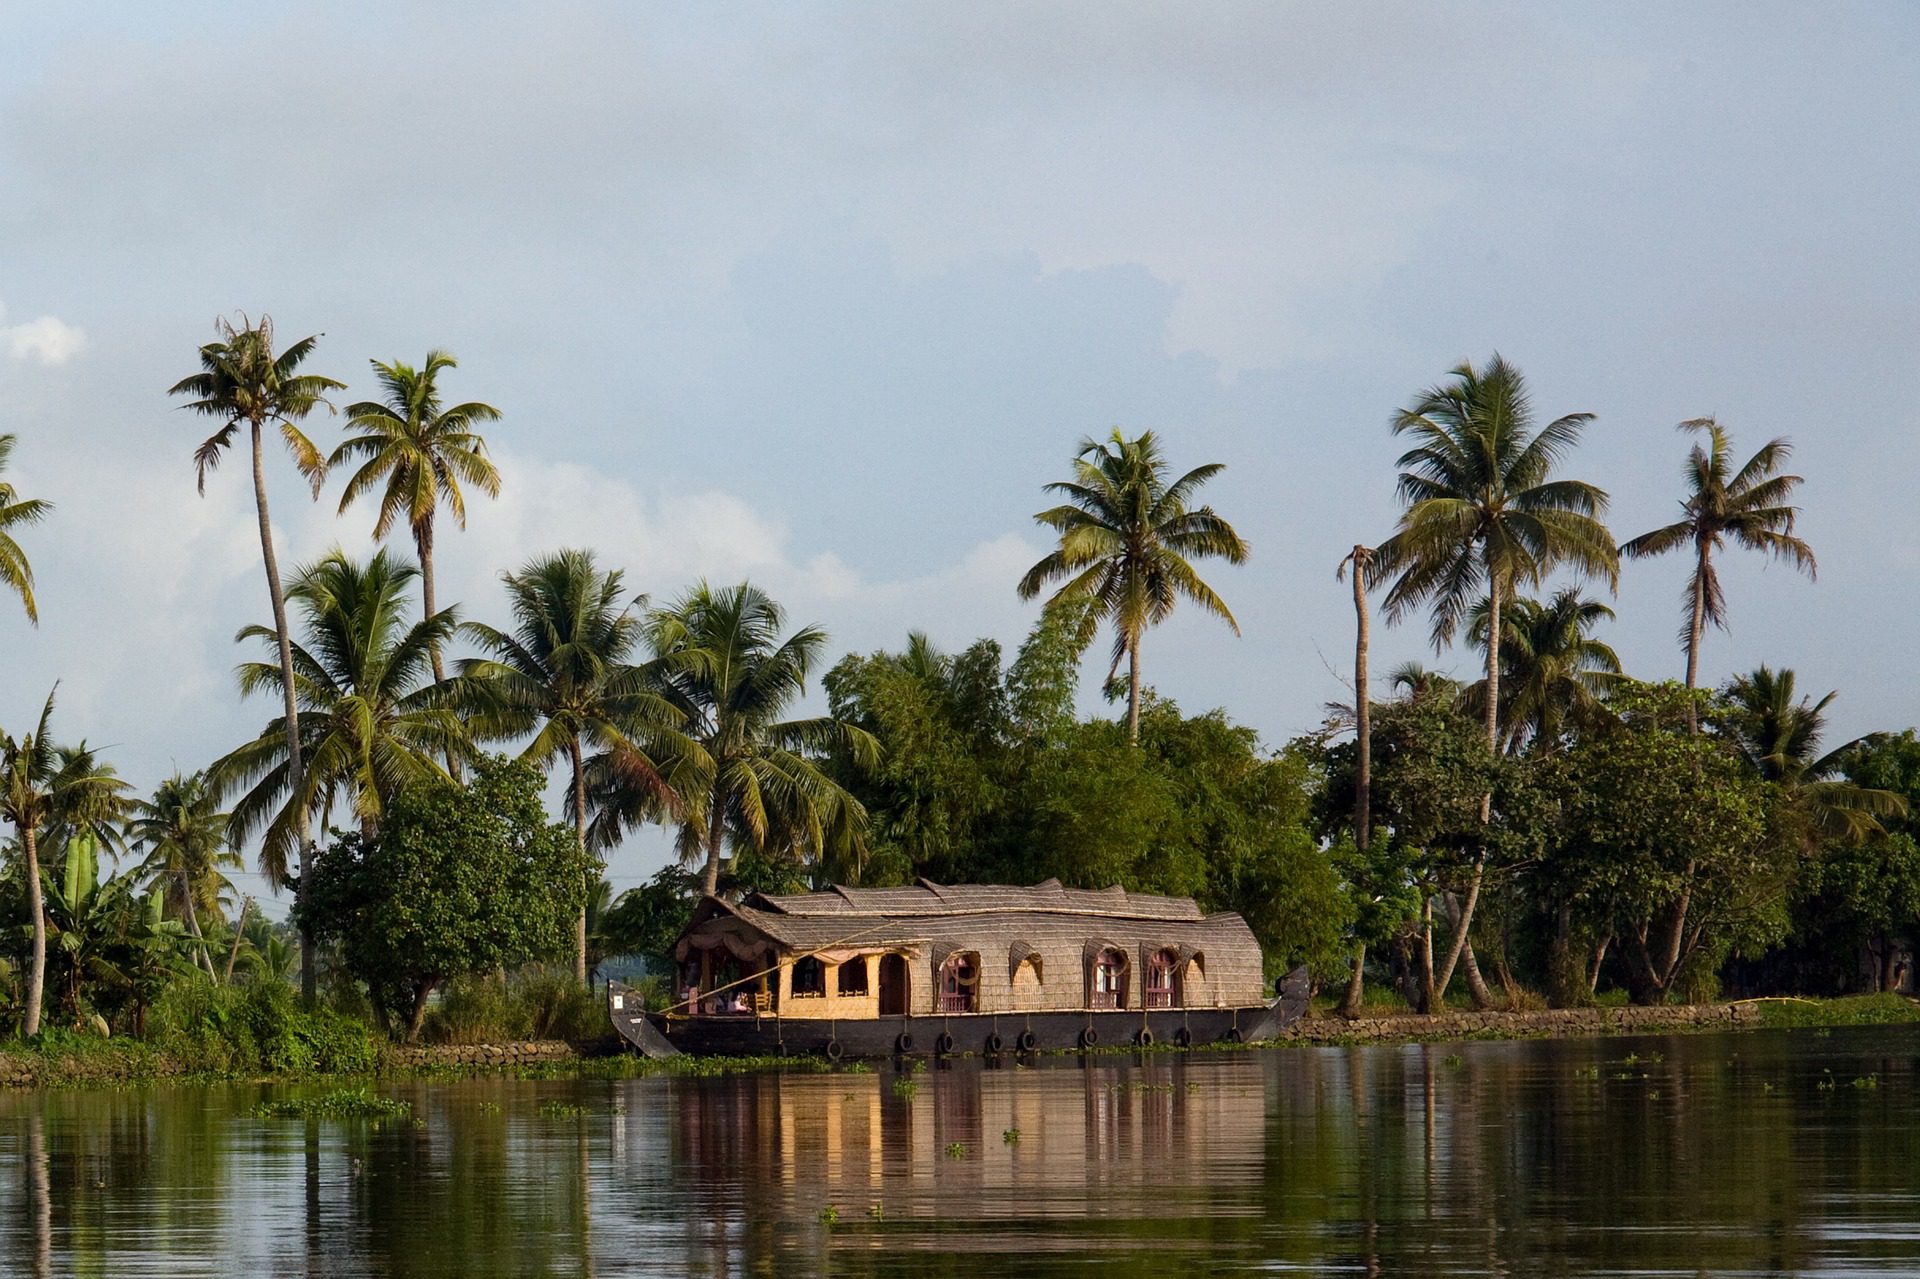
[(46, 340)]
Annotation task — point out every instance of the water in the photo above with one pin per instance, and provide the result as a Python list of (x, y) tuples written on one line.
[(1749, 1154)]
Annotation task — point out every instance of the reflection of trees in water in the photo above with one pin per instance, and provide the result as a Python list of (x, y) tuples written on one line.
[(1725, 1154)]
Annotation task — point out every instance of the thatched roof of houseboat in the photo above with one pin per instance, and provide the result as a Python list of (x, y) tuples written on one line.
[(1018, 922)]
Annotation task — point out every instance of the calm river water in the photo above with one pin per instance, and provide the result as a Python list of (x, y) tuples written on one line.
[(1749, 1154)]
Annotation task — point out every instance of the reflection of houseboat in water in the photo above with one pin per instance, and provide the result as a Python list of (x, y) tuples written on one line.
[(969, 968)]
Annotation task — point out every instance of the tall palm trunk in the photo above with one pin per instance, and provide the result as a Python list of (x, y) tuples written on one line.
[(423, 546), (37, 968), (1464, 923), (716, 835), (1363, 765), (580, 836), (1133, 691), (296, 770), (1695, 628), (239, 928), (193, 926)]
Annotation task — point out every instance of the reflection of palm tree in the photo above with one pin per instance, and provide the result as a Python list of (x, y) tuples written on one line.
[(1552, 672), (1126, 539), (1749, 506), (1780, 736), (184, 836)]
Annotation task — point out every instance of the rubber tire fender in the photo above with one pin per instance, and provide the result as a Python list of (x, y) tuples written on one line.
[(1026, 1041), (994, 1045), (944, 1044), (1089, 1037), (904, 1044), (835, 1051), (1143, 1038), (1183, 1037)]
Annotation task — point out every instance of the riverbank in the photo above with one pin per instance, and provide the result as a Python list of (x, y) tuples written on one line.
[(71, 1061)]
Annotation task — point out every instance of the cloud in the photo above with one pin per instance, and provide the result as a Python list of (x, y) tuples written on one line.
[(46, 340)]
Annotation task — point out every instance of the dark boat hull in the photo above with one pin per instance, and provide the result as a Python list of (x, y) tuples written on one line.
[(657, 1034)]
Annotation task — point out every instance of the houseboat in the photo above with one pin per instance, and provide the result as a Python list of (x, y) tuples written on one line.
[(939, 969)]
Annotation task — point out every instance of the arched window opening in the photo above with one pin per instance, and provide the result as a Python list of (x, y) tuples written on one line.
[(959, 982), (1163, 986), (809, 977), (853, 976), (1109, 980)]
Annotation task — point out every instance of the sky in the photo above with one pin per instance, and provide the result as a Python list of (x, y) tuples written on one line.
[(820, 296)]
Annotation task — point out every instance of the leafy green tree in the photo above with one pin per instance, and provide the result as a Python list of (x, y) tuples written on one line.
[(16, 574), (417, 453), (243, 380), (1486, 515), (1780, 737), (1554, 675), (458, 879), (184, 838), (724, 666), (648, 920), (564, 675), (371, 722), (1672, 839), (41, 787), (1127, 539), (1750, 507), (937, 790)]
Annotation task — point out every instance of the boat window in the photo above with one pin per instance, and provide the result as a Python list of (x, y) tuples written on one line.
[(1162, 991), (853, 976), (809, 976), (959, 982), (1109, 980)]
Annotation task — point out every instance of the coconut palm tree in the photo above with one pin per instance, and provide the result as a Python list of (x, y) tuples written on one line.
[(564, 674), (41, 787), (371, 720), (418, 454), (1748, 507), (1127, 539), (1780, 737), (241, 379), (725, 667), (1486, 516), (185, 840), (1553, 673), (1360, 560), (16, 574)]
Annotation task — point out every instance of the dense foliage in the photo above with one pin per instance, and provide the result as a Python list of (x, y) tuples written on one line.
[(459, 879)]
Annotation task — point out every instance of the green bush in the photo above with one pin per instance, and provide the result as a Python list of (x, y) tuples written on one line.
[(536, 1003), (256, 1026)]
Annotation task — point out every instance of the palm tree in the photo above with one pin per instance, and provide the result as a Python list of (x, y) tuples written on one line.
[(419, 454), (1485, 515), (1780, 738), (564, 674), (1749, 506), (1126, 539), (371, 720), (41, 786), (16, 574), (726, 669), (1360, 559), (242, 380), (186, 843), (1552, 672)]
